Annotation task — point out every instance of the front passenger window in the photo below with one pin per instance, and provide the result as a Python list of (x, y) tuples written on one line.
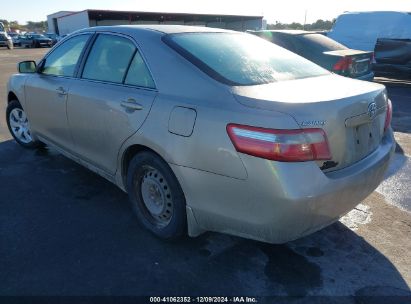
[(63, 60)]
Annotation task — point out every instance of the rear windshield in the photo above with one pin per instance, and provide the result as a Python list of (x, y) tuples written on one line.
[(322, 43), (241, 59)]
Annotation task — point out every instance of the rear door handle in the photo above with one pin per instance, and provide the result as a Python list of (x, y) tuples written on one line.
[(131, 104), (61, 91)]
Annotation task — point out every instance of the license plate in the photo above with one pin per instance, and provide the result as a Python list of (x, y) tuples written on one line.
[(361, 67)]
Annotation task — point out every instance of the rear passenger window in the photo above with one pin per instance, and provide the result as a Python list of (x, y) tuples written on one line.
[(138, 74), (109, 59)]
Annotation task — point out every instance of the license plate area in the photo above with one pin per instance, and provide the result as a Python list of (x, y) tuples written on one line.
[(361, 67), (366, 139)]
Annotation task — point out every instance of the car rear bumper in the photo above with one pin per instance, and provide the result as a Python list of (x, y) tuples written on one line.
[(5, 43), (41, 43), (279, 202), (367, 77), (382, 69)]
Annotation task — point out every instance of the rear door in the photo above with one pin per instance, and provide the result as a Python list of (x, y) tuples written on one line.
[(110, 100)]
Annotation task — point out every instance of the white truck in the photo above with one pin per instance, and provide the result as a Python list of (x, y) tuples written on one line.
[(360, 30), (5, 39)]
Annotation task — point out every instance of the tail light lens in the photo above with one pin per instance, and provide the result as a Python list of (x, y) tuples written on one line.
[(373, 58), (343, 65), (388, 115), (280, 145)]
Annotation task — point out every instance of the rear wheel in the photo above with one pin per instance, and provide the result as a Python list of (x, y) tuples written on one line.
[(156, 196), (19, 126)]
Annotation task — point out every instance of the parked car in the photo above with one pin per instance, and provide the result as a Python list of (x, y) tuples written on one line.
[(324, 51), (393, 57), (207, 129), (5, 39), (15, 37), (54, 37), (360, 30), (35, 41)]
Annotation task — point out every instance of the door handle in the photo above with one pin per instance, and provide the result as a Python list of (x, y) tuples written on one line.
[(61, 91), (131, 104)]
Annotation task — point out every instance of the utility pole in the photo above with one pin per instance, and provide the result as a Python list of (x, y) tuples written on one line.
[(305, 19)]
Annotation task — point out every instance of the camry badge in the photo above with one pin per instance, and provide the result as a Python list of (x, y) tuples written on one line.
[(308, 123), (372, 109)]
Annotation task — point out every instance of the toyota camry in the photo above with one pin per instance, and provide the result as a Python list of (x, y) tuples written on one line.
[(207, 129)]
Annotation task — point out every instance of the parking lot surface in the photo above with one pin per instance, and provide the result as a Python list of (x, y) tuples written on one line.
[(66, 231)]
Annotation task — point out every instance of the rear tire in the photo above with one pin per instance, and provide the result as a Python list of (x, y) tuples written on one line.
[(19, 126), (156, 196)]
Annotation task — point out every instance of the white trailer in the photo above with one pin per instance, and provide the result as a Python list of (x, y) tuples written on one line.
[(360, 30)]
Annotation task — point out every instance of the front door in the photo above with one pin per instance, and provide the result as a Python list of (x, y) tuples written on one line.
[(47, 92)]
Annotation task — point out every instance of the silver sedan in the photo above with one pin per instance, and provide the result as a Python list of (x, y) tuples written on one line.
[(207, 129)]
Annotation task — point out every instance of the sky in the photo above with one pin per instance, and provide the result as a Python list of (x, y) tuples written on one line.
[(285, 11)]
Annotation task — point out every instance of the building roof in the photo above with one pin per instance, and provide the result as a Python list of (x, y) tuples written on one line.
[(161, 16), (60, 13)]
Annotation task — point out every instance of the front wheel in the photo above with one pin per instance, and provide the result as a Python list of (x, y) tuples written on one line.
[(19, 126), (156, 196)]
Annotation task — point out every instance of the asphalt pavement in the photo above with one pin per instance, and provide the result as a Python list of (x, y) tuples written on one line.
[(66, 231)]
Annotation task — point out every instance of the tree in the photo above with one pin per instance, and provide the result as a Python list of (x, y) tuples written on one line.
[(31, 26), (319, 25), (36, 26)]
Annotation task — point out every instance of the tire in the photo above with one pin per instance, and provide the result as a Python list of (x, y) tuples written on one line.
[(15, 112), (156, 196)]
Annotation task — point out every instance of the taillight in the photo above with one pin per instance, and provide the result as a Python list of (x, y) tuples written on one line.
[(388, 115), (373, 58), (280, 145), (343, 65)]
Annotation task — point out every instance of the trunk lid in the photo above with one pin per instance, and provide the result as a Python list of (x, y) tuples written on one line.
[(361, 61), (351, 112)]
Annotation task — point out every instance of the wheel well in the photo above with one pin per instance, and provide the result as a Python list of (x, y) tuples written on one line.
[(11, 97), (128, 156)]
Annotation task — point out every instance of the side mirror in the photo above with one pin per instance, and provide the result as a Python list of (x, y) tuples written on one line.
[(27, 67)]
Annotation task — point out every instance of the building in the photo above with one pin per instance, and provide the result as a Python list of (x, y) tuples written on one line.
[(65, 22), (52, 20)]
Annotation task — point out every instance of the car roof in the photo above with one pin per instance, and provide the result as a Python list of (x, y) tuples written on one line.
[(155, 28)]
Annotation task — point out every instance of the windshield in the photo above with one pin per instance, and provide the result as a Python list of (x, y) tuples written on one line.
[(1, 27), (241, 59), (322, 42)]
